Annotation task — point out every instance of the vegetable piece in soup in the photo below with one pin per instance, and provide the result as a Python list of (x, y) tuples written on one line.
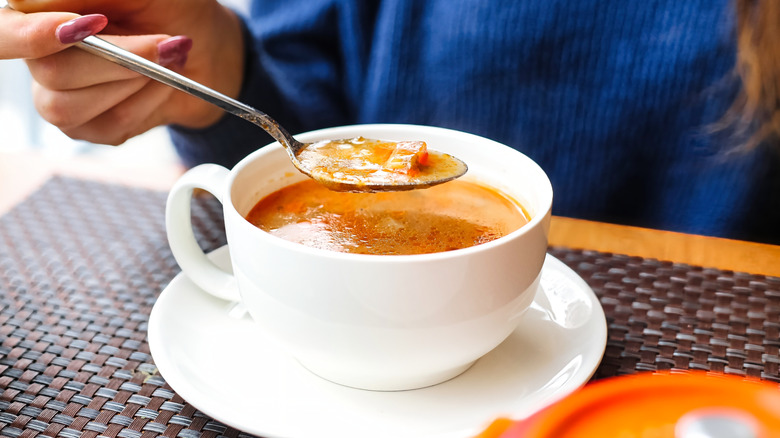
[(450, 216)]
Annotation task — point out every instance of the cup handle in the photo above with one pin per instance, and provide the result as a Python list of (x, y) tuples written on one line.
[(181, 238)]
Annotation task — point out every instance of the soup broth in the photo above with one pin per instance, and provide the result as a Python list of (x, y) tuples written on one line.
[(450, 216)]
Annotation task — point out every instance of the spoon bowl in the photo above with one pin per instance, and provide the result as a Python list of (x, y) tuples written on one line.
[(336, 177)]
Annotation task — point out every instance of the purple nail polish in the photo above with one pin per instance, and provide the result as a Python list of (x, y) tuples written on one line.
[(173, 51), (77, 29)]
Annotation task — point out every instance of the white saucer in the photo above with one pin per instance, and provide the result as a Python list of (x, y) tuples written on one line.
[(224, 367)]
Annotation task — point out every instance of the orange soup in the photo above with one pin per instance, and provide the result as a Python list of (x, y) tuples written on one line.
[(453, 215)]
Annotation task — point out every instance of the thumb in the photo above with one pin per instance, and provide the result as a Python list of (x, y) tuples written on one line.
[(43, 33)]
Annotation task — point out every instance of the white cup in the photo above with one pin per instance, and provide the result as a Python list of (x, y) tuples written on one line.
[(381, 322)]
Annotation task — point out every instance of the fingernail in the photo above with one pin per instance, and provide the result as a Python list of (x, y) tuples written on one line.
[(77, 29), (173, 51)]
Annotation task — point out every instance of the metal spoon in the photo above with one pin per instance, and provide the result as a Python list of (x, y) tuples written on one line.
[(449, 167)]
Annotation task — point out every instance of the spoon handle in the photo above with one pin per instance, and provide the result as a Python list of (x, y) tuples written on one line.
[(106, 50)]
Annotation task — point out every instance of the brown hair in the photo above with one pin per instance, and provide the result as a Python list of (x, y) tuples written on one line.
[(758, 64)]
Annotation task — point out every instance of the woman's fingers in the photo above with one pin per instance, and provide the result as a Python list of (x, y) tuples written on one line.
[(174, 51), (134, 115), (80, 92), (90, 98), (70, 108), (79, 28), (41, 34), (74, 68)]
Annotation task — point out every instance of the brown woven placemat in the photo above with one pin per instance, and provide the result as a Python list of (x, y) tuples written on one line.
[(81, 264)]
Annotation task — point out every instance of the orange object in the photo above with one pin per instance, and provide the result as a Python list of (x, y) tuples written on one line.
[(664, 405), (496, 428)]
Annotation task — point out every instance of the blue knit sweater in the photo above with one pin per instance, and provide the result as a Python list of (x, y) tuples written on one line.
[(613, 98)]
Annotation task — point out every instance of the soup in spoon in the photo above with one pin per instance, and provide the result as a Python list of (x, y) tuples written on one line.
[(365, 165)]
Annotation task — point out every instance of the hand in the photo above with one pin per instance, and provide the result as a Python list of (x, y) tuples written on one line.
[(92, 99)]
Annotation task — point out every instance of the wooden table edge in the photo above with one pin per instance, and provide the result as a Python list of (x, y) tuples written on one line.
[(705, 251)]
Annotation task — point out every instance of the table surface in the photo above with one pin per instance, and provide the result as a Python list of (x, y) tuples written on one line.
[(22, 173), (84, 257)]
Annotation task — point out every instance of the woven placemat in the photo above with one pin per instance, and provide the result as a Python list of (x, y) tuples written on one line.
[(81, 264)]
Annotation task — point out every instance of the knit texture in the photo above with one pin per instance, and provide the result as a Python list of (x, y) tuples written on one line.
[(615, 99)]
